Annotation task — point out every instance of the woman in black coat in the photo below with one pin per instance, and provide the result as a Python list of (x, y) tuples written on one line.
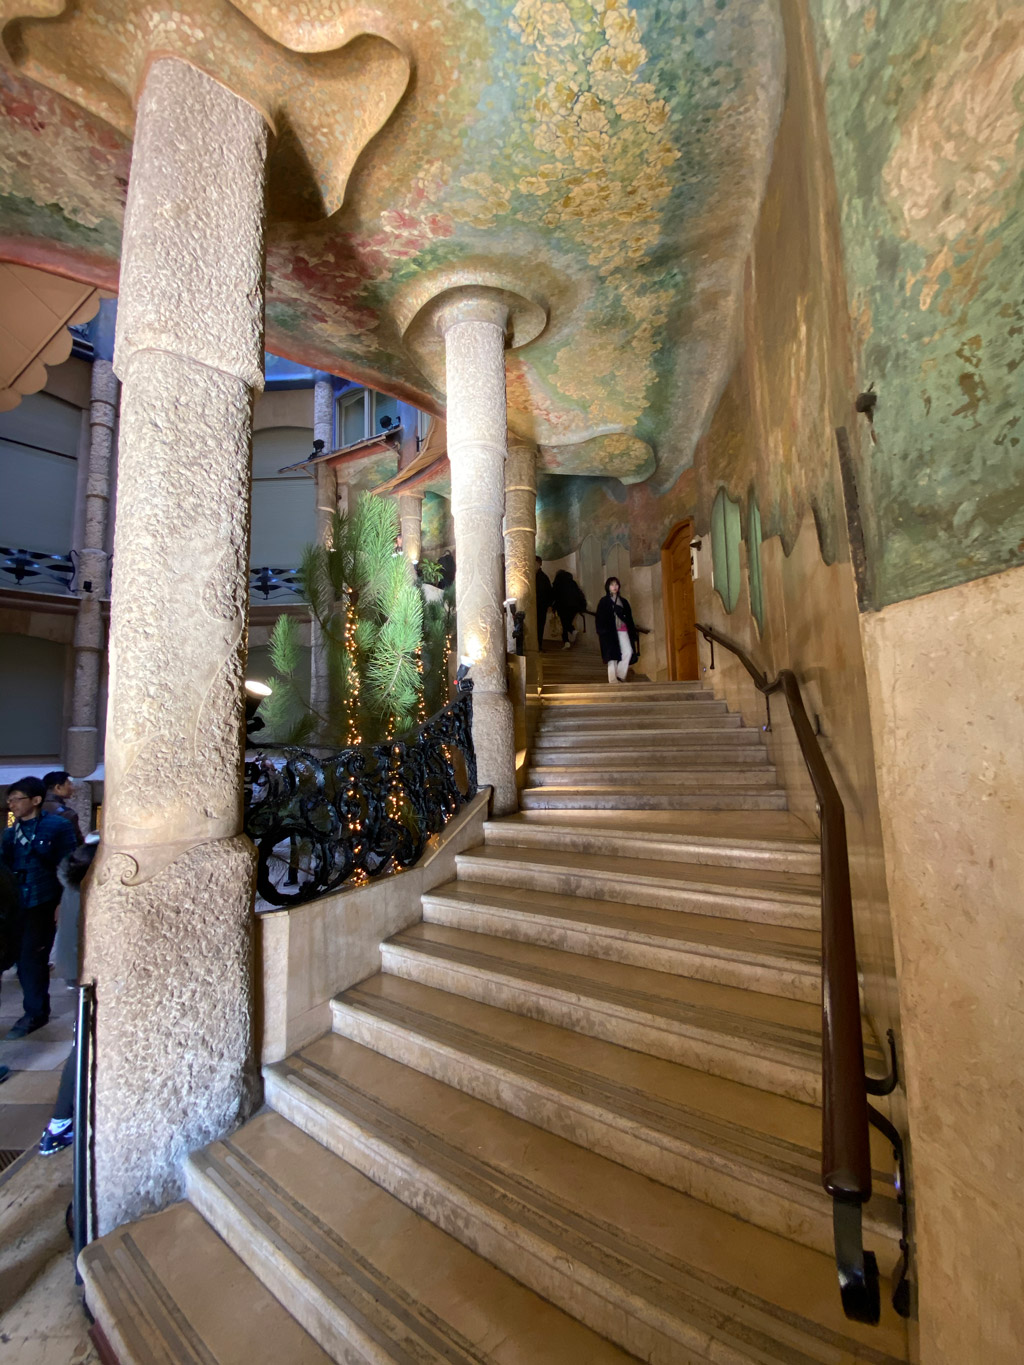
[(616, 632)]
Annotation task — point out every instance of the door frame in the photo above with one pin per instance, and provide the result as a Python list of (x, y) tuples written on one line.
[(681, 528)]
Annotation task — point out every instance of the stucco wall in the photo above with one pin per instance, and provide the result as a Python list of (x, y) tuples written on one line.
[(945, 677)]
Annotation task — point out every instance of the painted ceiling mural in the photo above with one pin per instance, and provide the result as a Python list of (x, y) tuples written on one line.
[(605, 159)]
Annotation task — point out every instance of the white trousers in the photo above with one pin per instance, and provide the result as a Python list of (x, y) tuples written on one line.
[(617, 671)]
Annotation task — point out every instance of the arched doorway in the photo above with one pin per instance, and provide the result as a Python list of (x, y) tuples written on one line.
[(680, 610)]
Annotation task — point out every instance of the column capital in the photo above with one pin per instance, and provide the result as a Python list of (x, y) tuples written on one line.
[(471, 305), (432, 316)]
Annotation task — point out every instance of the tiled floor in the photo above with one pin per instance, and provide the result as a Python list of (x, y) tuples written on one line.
[(28, 1094)]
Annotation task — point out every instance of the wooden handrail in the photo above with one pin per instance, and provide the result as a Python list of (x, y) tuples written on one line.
[(845, 1144)]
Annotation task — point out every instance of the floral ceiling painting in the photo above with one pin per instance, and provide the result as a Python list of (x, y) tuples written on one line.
[(606, 159)]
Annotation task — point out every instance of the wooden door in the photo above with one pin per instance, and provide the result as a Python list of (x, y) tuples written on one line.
[(680, 610)]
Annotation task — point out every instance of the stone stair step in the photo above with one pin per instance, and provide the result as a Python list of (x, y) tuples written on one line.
[(742, 1150), (664, 1275), (167, 1291), (660, 713), (625, 703), (732, 952), (370, 1278), (704, 758), (774, 840), (658, 777), (684, 718), (783, 898), (757, 1039), (635, 691), (642, 797), (643, 742)]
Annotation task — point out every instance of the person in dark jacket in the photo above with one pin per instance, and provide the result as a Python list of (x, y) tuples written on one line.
[(32, 848), (544, 600), (8, 930), (569, 602), (616, 632), (59, 788), (60, 1131)]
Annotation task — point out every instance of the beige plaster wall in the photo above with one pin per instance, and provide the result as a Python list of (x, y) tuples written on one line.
[(70, 381), (946, 685), (283, 408), (308, 954)]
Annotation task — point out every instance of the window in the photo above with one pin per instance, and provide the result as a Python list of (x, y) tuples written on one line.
[(359, 415), (423, 421), (383, 406), (754, 561), (352, 417), (283, 505), (38, 473), (725, 548)]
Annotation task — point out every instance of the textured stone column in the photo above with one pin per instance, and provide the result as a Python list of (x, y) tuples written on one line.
[(521, 533), (410, 516), (473, 327), (82, 742), (169, 907), (326, 507)]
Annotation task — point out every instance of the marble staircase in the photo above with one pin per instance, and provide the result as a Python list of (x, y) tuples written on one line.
[(573, 1119), (645, 746)]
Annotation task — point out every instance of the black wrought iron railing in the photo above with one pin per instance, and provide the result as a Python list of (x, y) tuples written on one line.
[(39, 570), (846, 1114), (321, 819)]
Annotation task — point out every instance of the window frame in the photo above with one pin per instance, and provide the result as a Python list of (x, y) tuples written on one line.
[(726, 534), (755, 577)]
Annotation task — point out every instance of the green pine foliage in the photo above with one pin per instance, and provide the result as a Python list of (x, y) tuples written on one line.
[(286, 713), (383, 645)]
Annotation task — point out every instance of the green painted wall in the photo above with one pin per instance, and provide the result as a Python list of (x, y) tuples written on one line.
[(925, 107)]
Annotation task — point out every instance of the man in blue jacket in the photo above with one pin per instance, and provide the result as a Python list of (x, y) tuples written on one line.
[(31, 850)]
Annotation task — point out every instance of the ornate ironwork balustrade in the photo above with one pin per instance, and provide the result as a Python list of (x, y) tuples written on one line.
[(322, 818)]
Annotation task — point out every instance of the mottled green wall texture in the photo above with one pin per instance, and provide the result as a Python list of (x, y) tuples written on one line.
[(925, 107)]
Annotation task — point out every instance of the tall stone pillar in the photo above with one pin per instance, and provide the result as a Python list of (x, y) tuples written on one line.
[(169, 907), (326, 507), (82, 742), (473, 326), (410, 516), (521, 533)]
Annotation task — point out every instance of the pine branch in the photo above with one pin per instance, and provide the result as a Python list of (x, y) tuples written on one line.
[(284, 646)]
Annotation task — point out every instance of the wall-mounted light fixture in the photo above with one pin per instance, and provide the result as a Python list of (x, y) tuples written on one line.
[(255, 694)]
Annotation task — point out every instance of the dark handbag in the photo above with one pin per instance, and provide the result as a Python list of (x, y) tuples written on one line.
[(634, 658)]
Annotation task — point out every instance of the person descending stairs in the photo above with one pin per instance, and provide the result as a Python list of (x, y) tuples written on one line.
[(575, 1117)]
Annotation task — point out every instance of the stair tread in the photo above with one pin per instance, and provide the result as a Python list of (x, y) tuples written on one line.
[(168, 1291), (713, 932), (680, 1105), (757, 827), (415, 1292), (742, 1018), (591, 774), (702, 757), (675, 1262), (651, 741), (802, 887), (639, 797)]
